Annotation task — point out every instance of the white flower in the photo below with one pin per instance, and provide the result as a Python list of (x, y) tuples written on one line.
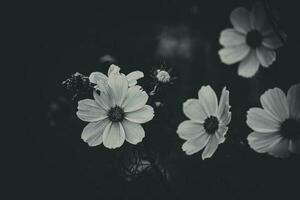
[(116, 114), (276, 127), (132, 77), (252, 41), (163, 76), (208, 122)]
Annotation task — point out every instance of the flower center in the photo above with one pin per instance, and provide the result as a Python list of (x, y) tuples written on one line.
[(163, 76), (254, 39), (116, 114), (211, 124), (290, 129)]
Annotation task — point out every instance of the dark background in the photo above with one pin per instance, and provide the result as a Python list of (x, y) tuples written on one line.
[(52, 41)]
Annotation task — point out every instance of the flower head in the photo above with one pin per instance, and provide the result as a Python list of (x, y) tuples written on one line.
[(163, 76), (276, 126), (208, 122), (116, 114), (252, 40)]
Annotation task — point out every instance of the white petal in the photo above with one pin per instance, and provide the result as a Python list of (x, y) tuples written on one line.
[(272, 42), (258, 17), (265, 56), (294, 146), (133, 77), (90, 111), (119, 86), (223, 110), (134, 133), (135, 99), (196, 144), (249, 66), (261, 142), (92, 133), (113, 136), (113, 68), (240, 19), (275, 102), (97, 76), (293, 98), (102, 102), (189, 129), (140, 116), (261, 121), (221, 133), (231, 37), (208, 100), (194, 110), (280, 148), (211, 147), (233, 54)]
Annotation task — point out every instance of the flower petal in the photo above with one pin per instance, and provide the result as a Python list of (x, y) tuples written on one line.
[(221, 133), (113, 135), (294, 146), (240, 19), (293, 98), (233, 54), (261, 142), (97, 76), (261, 121), (92, 133), (102, 100), (231, 37), (249, 66), (193, 109), (188, 129), (113, 68), (134, 133), (223, 110), (135, 99), (275, 102), (196, 144), (208, 100), (272, 42), (119, 86), (133, 77), (265, 56), (280, 149), (211, 147), (90, 111), (258, 17), (140, 116)]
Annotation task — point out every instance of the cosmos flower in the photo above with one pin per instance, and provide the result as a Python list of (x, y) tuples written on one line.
[(208, 122), (132, 77), (276, 126), (116, 114), (163, 76), (252, 41)]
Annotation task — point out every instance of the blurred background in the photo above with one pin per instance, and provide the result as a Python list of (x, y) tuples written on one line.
[(57, 40)]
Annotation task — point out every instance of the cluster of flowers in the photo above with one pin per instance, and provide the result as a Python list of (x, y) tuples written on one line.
[(118, 110)]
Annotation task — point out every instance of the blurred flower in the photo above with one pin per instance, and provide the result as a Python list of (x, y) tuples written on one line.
[(107, 58), (174, 42), (276, 127), (116, 114), (208, 122), (98, 77), (78, 85), (252, 40)]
